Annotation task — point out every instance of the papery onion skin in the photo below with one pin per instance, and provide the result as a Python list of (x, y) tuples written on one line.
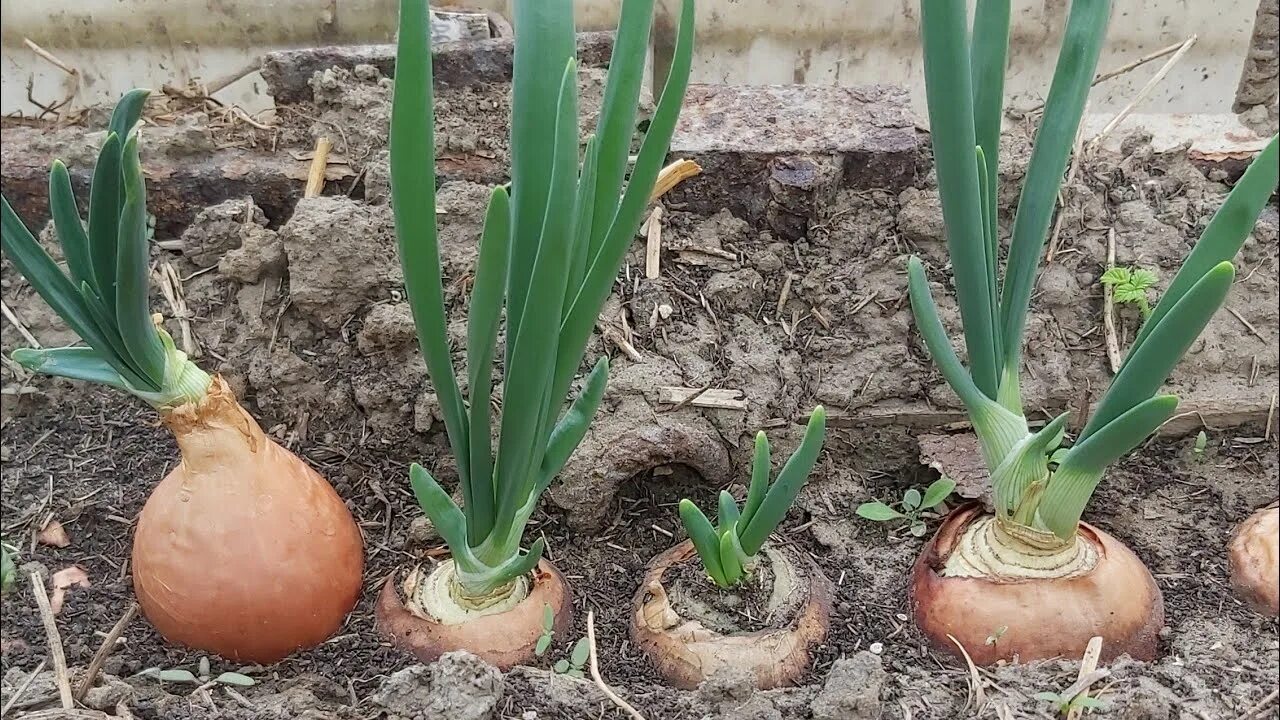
[(504, 639), (1255, 560), (243, 550), (688, 653), (1042, 618)]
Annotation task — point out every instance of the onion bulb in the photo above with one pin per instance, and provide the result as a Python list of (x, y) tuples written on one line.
[(1006, 592), (1255, 560), (686, 652), (243, 550), (429, 619)]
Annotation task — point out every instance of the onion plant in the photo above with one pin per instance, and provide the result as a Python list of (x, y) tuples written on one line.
[(964, 75), (728, 549), (549, 253), (103, 294)]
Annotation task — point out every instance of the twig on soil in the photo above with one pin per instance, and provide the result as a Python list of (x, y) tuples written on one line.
[(1088, 664), (1256, 710), (1109, 308), (171, 288), (977, 696), (704, 397), (1271, 414), (55, 642), (785, 293), (595, 670), (653, 246), (13, 699), (108, 644), (22, 329), (619, 338), (1247, 324), (315, 178), (1081, 685), (1144, 92)]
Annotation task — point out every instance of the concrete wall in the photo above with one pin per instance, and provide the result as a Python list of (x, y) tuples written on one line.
[(116, 44)]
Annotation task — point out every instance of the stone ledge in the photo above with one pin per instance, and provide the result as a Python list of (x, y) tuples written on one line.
[(473, 62), (773, 153)]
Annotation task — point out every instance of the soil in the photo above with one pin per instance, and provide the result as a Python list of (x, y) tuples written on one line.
[(306, 317)]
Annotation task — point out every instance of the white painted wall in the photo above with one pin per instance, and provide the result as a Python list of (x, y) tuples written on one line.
[(117, 44)]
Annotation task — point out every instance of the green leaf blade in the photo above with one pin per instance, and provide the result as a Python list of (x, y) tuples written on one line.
[(728, 514), (547, 42), (705, 540), (568, 433), (783, 492), (1064, 107), (1148, 365), (948, 85), (603, 268), (761, 467), (483, 318), (531, 363), (877, 512), (133, 259), (74, 363), (413, 199), (106, 199), (67, 222), (1225, 234), (1073, 483)]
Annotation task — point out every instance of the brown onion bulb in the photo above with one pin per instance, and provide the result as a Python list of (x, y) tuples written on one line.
[(243, 550), (1255, 560), (685, 652), (503, 639), (1097, 587)]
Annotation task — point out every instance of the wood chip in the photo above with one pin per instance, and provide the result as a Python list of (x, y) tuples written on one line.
[(653, 246), (672, 175), (63, 580), (316, 178), (717, 398), (53, 535)]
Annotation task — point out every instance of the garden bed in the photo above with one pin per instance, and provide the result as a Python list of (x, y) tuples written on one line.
[(781, 283)]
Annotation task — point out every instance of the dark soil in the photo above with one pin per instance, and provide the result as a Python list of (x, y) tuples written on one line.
[(321, 349)]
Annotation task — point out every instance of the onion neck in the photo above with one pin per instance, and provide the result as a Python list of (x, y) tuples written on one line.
[(440, 597), (213, 430), (184, 383), (1006, 551)]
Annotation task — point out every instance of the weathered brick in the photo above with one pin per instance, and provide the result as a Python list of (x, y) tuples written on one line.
[(767, 150)]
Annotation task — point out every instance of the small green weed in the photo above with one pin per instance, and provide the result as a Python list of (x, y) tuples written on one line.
[(913, 507)]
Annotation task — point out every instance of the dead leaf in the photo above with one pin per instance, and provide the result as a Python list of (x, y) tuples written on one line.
[(960, 458), (63, 580), (54, 535)]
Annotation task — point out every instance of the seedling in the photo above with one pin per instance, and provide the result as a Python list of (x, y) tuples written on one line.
[(200, 677), (914, 506), (1197, 450), (572, 665), (728, 549), (1063, 705), (1130, 286), (548, 631), (994, 637)]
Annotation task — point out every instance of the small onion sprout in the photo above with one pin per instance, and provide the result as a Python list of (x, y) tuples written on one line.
[(728, 549)]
